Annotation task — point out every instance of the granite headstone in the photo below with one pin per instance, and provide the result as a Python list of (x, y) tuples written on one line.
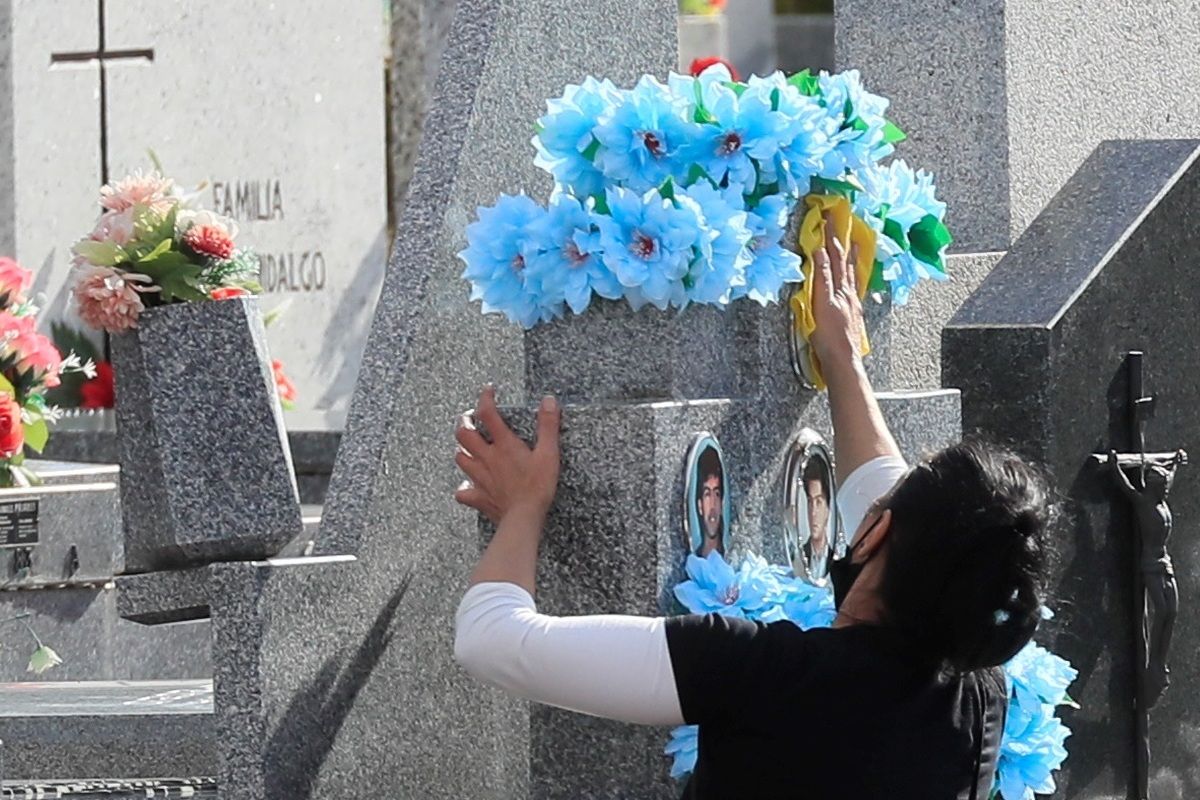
[(1004, 99), (274, 109), (1039, 353)]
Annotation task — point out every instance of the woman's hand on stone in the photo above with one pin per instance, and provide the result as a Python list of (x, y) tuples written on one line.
[(837, 308), (503, 473)]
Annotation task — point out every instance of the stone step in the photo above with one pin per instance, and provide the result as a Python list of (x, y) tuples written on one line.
[(78, 731)]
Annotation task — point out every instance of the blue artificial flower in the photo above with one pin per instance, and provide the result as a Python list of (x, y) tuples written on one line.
[(500, 246), (683, 749), (571, 268), (1032, 747), (894, 198), (804, 140), (644, 135), (741, 131), (772, 264), (715, 280), (649, 242), (715, 587), (899, 194), (856, 124), (805, 605), (566, 146)]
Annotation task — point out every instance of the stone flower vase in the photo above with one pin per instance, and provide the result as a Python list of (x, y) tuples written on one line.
[(611, 353), (206, 474)]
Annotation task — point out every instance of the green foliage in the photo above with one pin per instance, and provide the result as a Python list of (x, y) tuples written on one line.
[(928, 238), (36, 435)]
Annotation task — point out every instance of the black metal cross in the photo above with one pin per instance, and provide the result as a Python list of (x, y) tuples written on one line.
[(1141, 406), (101, 56)]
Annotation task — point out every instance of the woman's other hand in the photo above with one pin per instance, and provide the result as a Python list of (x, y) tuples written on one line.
[(837, 309), (503, 473)]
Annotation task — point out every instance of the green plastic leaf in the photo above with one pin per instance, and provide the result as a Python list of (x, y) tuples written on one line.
[(175, 275), (667, 190), (158, 250), (829, 186), (877, 284), (697, 172), (600, 203), (592, 149), (928, 239), (893, 231), (806, 82), (892, 134), (738, 88), (104, 254), (43, 659), (859, 124), (7, 387), (36, 435)]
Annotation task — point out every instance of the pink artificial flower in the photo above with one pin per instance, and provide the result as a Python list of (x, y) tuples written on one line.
[(110, 300), (115, 227), (207, 233), (15, 281), (38, 356), (210, 240), (139, 189)]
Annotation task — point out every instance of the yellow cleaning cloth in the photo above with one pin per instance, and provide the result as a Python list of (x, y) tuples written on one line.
[(849, 230)]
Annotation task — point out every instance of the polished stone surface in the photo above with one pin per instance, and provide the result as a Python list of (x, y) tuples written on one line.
[(1038, 351), (83, 626), (370, 695), (1004, 99), (183, 504), (80, 541), (113, 729)]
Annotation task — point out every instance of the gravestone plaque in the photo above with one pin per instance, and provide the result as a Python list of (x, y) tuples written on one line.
[(19, 523), (284, 133)]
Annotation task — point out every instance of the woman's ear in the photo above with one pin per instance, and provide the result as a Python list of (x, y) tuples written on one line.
[(874, 538)]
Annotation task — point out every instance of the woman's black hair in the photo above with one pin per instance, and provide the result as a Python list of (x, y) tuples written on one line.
[(967, 553)]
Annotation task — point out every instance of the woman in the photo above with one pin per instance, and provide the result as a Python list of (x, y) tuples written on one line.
[(902, 698)]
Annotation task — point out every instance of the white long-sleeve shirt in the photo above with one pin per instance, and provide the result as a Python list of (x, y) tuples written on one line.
[(611, 666)]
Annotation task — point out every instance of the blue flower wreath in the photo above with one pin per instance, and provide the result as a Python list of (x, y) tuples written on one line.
[(679, 193), (1031, 749)]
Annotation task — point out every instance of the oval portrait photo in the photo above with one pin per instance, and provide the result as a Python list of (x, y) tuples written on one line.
[(707, 504), (810, 515)]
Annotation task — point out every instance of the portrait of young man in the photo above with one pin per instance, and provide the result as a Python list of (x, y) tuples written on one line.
[(710, 502)]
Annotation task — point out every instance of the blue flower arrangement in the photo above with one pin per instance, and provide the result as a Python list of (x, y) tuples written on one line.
[(1032, 746), (680, 193)]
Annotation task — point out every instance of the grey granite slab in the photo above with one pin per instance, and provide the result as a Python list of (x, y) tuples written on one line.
[(1004, 99), (127, 745), (613, 353), (340, 676), (193, 381), (155, 598), (84, 627), (1038, 352), (80, 540)]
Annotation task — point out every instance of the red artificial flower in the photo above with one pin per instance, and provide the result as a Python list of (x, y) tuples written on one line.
[(228, 293), (210, 240), (283, 384), (701, 64), (98, 392), (12, 434)]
